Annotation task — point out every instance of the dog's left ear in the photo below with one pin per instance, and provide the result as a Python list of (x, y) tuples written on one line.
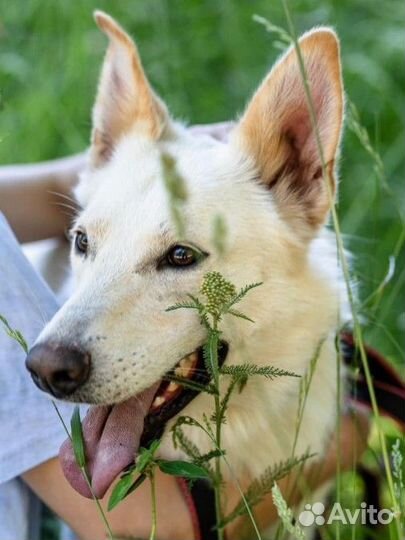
[(125, 100), (276, 129)]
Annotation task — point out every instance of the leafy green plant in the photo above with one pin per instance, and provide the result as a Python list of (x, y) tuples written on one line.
[(397, 453), (13, 333), (374, 80), (176, 191), (263, 485), (218, 299), (285, 514)]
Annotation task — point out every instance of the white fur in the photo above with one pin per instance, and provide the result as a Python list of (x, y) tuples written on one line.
[(118, 308), (117, 311)]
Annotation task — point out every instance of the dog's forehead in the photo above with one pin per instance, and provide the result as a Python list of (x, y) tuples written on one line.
[(131, 190)]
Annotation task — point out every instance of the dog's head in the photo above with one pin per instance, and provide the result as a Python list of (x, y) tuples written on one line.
[(114, 341)]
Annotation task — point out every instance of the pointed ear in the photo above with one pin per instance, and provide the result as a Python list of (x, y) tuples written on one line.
[(277, 133), (125, 101)]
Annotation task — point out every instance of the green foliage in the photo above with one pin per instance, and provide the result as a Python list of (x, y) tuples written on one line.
[(176, 190), (264, 484), (192, 385), (77, 438), (146, 457), (59, 44), (220, 297), (191, 471), (397, 456), (144, 467), (240, 375), (220, 43), (250, 370), (305, 384), (285, 514), (14, 334), (219, 234), (218, 292), (126, 485)]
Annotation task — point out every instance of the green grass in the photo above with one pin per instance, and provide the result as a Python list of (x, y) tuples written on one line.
[(205, 59)]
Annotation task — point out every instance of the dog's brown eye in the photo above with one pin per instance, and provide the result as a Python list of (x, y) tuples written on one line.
[(81, 242), (183, 256)]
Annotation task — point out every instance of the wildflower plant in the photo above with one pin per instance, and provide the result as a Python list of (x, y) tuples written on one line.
[(285, 514), (217, 299)]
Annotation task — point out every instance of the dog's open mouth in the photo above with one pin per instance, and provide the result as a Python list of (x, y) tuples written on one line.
[(113, 434)]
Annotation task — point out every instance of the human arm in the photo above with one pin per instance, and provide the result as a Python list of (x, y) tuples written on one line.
[(32, 195), (132, 517), (28, 196)]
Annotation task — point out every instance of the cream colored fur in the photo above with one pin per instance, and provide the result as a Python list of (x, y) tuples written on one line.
[(265, 183)]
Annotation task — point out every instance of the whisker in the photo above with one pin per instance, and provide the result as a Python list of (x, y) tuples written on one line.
[(64, 196), (74, 210)]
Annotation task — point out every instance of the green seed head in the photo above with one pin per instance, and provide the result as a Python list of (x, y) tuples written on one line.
[(218, 292)]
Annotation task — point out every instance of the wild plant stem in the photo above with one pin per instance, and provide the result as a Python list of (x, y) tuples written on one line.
[(343, 261), (245, 502), (338, 427), (87, 479), (234, 477), (303, 400), (307, 381), (23, 344), (215, 372), (98, 505), (153, 504)]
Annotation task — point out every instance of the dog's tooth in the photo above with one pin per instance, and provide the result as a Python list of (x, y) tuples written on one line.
[(172, 387), (183, 371), (193, 357), (158, 401), (187, 362)]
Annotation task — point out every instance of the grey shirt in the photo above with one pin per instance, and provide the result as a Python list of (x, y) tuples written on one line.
[(30, 431)]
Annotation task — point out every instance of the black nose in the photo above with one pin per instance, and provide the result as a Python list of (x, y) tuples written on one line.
[(58, 369)]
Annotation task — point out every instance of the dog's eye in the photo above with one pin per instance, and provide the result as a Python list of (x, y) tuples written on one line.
[(81, 242), (180, 255)]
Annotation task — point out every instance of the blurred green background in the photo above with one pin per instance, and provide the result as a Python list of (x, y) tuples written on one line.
[(205, 58)]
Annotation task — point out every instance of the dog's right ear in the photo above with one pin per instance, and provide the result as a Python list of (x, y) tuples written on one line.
[(125, 100)]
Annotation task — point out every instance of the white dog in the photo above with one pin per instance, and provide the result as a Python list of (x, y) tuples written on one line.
[(113, 341)]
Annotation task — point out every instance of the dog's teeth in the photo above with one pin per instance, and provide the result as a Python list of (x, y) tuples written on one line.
[(183, 371), (186, 365), (158, 401), (185, 362), (172, 387)]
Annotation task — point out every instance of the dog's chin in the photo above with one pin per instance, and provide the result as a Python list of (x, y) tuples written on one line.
[(114, 434)]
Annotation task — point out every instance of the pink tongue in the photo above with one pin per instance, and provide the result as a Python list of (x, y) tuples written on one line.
[(111, 436)]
